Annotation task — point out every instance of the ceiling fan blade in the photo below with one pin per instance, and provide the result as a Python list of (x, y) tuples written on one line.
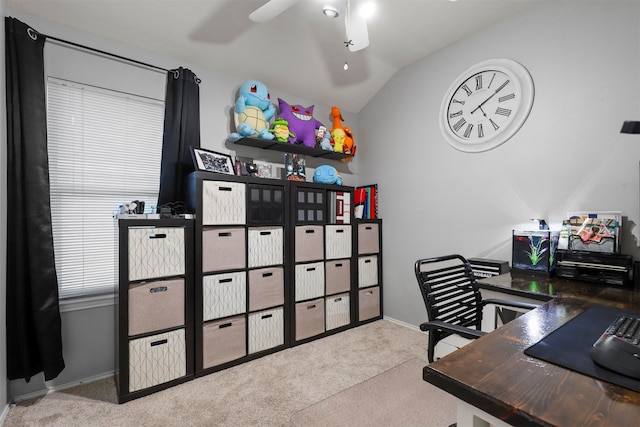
[(270, 10), (357, 32)]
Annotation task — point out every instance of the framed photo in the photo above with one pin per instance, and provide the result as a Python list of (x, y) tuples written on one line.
[(211, 161)]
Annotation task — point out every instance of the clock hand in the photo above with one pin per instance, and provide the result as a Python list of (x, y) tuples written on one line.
[(491, 96)]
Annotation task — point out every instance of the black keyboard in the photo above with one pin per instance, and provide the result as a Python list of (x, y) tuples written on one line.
[(618, 348), (626, 328)]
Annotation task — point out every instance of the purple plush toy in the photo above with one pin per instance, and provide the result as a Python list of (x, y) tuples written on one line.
[(301, 123)]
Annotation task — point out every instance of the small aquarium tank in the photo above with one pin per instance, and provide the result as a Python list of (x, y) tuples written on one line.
[(534, 251)]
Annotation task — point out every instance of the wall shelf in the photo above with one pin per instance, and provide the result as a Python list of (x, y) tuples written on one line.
[(274, 145)]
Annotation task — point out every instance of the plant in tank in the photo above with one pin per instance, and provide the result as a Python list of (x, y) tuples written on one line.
[(537, 251)]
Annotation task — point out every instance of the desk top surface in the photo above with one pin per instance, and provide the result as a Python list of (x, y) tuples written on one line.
[(494, 375)]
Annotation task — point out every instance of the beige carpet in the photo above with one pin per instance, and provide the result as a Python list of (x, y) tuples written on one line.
[(280, 389), (397, 397)]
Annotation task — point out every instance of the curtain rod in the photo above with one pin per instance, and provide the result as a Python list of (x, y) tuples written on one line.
[(102, 52)]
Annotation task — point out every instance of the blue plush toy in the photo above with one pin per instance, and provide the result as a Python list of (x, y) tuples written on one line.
[(326, 174), (253, 111)]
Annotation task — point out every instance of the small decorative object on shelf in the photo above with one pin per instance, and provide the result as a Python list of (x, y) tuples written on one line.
[(326, 174), (294, 165), (341, 135), (301, 123), (366, 202), (211, 161), (253, 110), (280, 129)]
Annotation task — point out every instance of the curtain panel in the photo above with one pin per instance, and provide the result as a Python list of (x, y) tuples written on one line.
[(34, 338), (181, 131)]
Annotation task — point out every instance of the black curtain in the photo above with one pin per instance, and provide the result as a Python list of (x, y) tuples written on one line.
[(181, 131), (34, 338)]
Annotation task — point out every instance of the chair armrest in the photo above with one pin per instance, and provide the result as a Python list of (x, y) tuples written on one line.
[(509, 303), (455, 329)]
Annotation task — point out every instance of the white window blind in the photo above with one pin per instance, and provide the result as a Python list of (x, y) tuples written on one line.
[(105, 149)]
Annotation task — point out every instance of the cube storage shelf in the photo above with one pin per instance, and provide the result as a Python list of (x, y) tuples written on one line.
[(266, 264), (154, 321)]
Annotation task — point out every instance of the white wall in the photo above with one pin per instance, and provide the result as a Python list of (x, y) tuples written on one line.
[(569, 155), (3, 229), (88, 328)]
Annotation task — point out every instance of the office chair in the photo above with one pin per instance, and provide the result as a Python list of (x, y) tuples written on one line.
[(453, 300)]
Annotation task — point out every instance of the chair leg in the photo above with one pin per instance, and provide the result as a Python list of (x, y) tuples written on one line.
[(431, 346)]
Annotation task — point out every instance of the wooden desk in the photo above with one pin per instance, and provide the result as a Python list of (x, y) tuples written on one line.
[(494, 375)]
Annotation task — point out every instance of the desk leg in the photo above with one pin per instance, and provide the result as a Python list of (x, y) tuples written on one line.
[(470, 416)]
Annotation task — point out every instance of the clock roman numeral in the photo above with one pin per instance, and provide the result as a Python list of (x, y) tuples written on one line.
[(457, 102), (456, 114), (466, 89), (506, 97), (479, 82), (468, 131), (480, 131), (459, 125), (503, 112), (495, 125)]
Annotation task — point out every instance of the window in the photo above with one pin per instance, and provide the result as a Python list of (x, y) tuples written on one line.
[(105, 149)]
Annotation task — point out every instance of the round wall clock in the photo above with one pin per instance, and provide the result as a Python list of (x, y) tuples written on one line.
[(486, 105)]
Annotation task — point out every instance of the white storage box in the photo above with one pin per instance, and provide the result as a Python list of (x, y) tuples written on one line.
[(266, 246), (156, 252), (223, 203), (338, 241), (157, 359), (338, 311), (367, 271), (224, 295), (309, 281), (266, 330)]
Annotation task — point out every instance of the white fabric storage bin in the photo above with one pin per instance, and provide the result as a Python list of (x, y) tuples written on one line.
[(223, 203), (156, 305), (368, 238), (266, 288), (223, 341), (157, 359), (266, 246), (367, 271), (338, 312), (156, 252), (266, 329), (309, 281), (224, 295), (309, 318), (338, 241), (368, 303)]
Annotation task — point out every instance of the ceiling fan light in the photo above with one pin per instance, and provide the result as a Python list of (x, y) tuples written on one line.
[(367, 10), (330, 11)]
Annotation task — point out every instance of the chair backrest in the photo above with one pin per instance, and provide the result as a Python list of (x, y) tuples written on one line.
[(450, 291)]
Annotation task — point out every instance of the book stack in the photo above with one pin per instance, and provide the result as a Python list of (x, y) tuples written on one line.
[(366, 202), (339, 207)]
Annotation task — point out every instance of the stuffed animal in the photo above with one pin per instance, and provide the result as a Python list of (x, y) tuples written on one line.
[(345, 136), (280, 129), (253, 111), (326, 174), (301, 123)]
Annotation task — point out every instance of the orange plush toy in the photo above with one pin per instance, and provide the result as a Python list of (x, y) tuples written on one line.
[(341, 135)]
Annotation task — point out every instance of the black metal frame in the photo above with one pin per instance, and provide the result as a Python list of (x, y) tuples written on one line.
[(453, 299)]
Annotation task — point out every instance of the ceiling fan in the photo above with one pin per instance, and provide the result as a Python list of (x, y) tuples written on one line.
[(355, 24)]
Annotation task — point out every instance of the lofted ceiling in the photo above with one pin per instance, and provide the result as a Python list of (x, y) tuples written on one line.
[(300, 51)]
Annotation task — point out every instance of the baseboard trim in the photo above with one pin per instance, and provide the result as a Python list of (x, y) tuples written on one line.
[(52, 388), (5, 412), (401, 323)]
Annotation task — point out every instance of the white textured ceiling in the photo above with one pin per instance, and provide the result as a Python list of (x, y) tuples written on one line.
[(300, 52)]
